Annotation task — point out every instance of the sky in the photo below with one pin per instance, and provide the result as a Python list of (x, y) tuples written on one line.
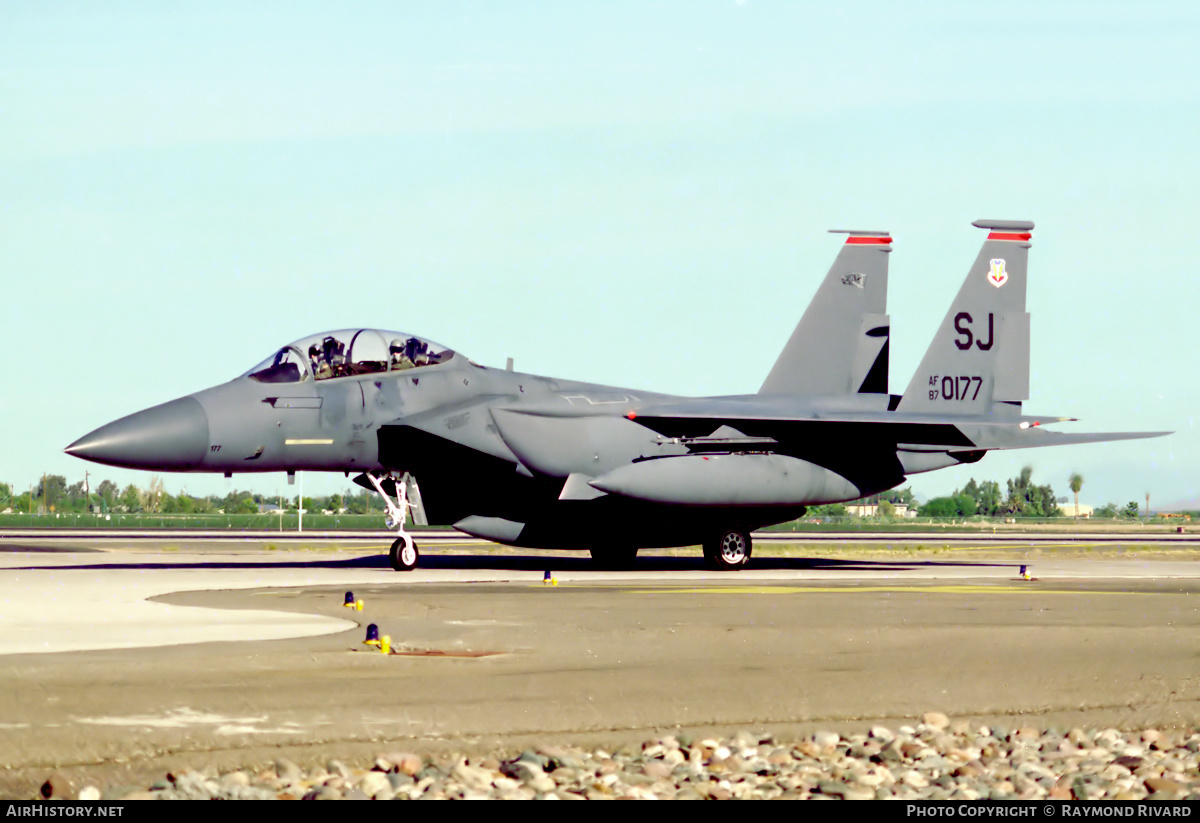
[(628, 193)]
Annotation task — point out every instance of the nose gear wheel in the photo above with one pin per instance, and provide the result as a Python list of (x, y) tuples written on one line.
[(404, 555)]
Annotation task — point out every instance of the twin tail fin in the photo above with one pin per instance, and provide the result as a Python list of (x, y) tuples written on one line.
[(840, 346)]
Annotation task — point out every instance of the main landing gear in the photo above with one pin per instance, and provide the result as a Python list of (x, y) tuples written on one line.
[(403, 554), (729, 550)]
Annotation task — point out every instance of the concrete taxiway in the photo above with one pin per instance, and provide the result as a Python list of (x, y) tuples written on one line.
[(135, 660)]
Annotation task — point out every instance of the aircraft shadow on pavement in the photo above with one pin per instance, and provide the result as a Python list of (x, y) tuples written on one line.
[(531, 562), (583, 563)]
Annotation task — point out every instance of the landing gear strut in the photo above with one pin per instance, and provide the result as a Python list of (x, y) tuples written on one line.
[(403, 554), (728, 551)]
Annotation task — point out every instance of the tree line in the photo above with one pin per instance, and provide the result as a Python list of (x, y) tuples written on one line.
[(52, 495), (1021, 497)]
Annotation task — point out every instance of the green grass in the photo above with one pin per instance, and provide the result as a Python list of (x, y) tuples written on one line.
[(374, 522), (271, 522), (971, 525)]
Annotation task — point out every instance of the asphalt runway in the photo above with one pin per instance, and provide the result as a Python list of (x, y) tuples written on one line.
[(123, 663)]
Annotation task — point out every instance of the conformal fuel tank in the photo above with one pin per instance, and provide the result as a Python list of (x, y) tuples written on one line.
[(728, 480)]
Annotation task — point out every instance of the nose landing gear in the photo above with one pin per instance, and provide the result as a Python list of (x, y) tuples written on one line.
[(403, 554)]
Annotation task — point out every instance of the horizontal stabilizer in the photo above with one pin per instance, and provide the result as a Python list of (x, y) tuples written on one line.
[(990, 437)]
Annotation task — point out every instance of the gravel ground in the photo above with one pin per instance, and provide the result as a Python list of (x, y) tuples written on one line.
[(934, 759)]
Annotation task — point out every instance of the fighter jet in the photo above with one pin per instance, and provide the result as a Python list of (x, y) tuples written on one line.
[(540, 462)]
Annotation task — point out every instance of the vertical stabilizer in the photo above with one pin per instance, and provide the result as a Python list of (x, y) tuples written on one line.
[(840, 345), (980, 355)]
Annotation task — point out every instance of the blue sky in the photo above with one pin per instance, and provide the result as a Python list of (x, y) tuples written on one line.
[(628, 193)]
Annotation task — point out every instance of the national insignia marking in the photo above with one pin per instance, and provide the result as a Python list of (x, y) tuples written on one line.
[(854, 278), (997, 276)]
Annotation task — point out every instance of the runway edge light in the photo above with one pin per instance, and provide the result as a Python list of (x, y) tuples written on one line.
[(372, 638), (348, 602)]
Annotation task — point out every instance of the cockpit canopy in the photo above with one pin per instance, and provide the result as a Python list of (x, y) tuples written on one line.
[(348, 353)]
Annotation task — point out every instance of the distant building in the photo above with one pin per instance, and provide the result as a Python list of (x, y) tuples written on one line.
[(872, 509)]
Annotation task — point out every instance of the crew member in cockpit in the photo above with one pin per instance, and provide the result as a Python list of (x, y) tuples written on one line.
[(398, 349), (417, 351), (334, 353), (320, 366)]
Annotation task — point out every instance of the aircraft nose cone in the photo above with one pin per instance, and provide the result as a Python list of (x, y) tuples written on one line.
[(173, 436)]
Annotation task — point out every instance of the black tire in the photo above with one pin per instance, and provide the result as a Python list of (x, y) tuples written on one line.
[(729, 551), (610, 558), (404, 555)]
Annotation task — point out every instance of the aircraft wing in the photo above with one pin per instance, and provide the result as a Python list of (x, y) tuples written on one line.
[(700, 429), (700, 423)]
